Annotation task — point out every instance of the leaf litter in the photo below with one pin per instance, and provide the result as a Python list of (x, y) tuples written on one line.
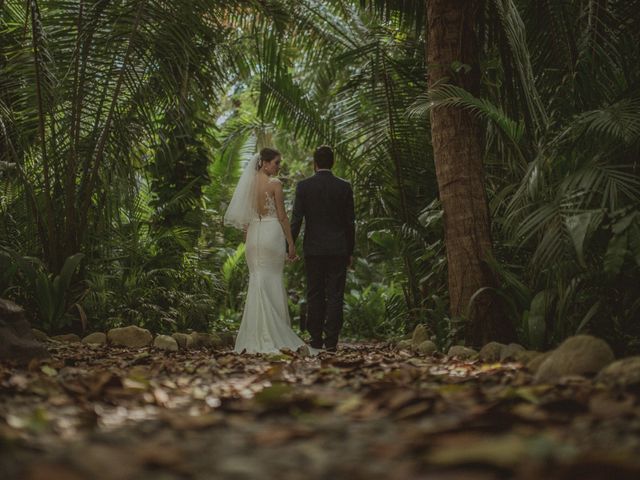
[(368, 411)]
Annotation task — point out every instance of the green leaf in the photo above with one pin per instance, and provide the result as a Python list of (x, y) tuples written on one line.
[(458, 67), (50, 371), (44, 298), (430, 218), (275, 395), (57, 299), (578, 227), (616, 251), (634, 242), (622, 224), (537, 323), (383, 238), (232, 263), (588, 316), (28, 270), (68, 269)]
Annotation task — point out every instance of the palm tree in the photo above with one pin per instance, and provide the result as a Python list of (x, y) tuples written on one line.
[(453, 53), (106, 127), (359, 77), (557, 101), (84, 92), (389, 73), (554, 146)]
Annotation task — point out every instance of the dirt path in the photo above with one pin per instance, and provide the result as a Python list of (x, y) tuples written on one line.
[(368, 412)]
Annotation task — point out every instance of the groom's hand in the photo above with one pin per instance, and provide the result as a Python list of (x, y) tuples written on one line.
[(292, 253), (350, 264)]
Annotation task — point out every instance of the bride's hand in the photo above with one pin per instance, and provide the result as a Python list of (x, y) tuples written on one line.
[(292, 253)]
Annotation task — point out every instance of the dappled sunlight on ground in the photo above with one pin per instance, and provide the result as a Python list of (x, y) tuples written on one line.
[(369, 411)]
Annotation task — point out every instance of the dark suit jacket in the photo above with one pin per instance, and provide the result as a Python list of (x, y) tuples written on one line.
[(325, 202)]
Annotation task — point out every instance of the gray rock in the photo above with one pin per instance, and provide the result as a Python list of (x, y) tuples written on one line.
[(96, 338), (622, 373), (16, 339), (511, 352), (491, 352), (203, 340), (534, 364), (420, 334), (579, 355), (165, 342), (131, 336), (228, 339), (426, 348), (304, 351), (39, 335), (462, 352), (404, 344), (526, 356), (181, 339), (66, 338)]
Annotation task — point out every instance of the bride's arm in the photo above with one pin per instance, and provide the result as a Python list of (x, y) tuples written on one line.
[(282, 214)]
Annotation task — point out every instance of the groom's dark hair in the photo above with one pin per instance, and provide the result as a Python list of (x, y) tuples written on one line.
[(323, 156)]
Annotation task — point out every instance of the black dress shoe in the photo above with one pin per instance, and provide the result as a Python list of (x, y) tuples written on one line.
[(333, 349)]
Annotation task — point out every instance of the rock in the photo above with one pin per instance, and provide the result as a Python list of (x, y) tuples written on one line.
[(16, 339), (461, 352), (97, 338), (203, 340), (66, 338), (131, 336), (404, 344), (420, 334), (526, 356), (165, 342), (511, 352), (622, 373), (39, 335), (304, 351), (491, 352), (534, 364), (181, 339), (426, 348), (228, 339), (579, 355)]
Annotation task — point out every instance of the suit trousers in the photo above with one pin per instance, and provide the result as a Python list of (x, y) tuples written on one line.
[(326, 277)]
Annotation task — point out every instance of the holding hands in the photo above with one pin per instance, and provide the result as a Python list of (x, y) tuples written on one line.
[(291, 253)]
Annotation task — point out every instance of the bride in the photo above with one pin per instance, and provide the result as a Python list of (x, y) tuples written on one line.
[(257, 207)]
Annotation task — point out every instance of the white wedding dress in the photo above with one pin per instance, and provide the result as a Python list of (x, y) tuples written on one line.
[(266, 324)]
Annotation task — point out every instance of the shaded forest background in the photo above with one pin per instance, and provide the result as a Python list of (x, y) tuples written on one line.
[(124, 126)]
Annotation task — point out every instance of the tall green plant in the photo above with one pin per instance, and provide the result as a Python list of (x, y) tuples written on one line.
[(51, 293), (82, 87), (561, 143)]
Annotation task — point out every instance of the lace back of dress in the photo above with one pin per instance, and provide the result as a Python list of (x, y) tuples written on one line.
[(267, 208)]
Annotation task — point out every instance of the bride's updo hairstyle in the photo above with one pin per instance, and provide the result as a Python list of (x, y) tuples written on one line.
[(267, 155)]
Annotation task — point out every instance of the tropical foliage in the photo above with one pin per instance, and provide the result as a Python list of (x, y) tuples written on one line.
[(561, 149), (124, 125)]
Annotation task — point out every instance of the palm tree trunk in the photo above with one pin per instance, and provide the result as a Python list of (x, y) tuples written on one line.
[(90, 179), (413, 297), (52, 245), (453, 56)]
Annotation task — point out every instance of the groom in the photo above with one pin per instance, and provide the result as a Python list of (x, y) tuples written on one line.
[(325, 202)]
